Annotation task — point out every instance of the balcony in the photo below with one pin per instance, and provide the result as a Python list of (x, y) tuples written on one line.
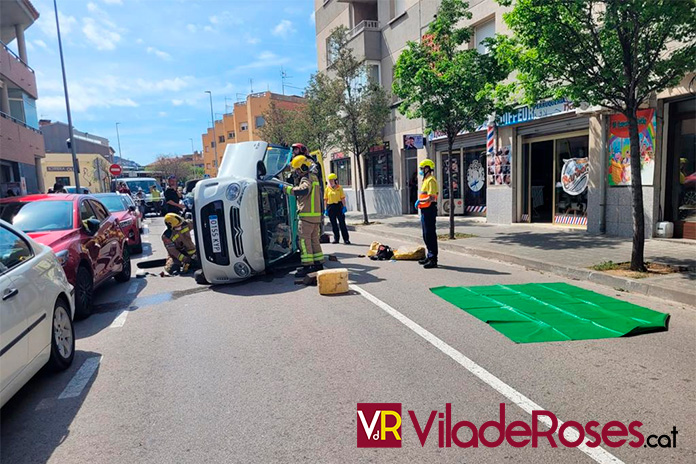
[(20, 142), (366, 40), (17, 71)]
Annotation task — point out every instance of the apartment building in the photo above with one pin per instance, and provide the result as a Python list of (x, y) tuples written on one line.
[(242, 125), (56, 135), (21, 143), (547, 163), (94, 171)]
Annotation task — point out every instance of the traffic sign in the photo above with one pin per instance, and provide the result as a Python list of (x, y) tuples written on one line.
[(115, 170)]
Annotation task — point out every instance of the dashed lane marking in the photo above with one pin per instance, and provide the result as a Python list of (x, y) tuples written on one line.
[(600, 455), (120, 320), (81, 378)]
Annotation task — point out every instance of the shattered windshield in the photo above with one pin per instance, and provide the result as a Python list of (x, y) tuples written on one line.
[(276, 159)]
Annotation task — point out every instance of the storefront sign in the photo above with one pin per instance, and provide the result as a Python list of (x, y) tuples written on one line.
[(440, 135), (537, 111), (378, 148), (620, 148), (338, 155), (59, 168), (413, 141), (574, 175)]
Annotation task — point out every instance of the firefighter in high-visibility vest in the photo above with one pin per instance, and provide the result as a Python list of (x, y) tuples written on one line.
[(309, 195), (180, 248)]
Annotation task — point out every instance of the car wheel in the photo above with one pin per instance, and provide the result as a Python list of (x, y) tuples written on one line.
[(62, 338), (125, 274), (84, 292), (200, 277), (137, 248)]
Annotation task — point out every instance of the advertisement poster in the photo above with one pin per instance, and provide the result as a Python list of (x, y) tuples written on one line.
[(455, 177), (619, 148), (499, 169), (413, 141)]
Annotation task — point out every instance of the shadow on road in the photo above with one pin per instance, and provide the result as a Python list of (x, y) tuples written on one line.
[(35, 422), (471, 270)]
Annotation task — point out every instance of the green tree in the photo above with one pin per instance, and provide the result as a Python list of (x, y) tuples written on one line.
[(316, 126), (452, 87), (281, 125), (360, 104), (614, 53)]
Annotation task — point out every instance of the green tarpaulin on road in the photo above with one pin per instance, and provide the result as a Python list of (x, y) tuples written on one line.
[(552, 312)]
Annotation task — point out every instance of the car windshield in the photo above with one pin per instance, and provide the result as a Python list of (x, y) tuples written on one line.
[(38, 216), (276, 159), (112, 202), (134, 185)]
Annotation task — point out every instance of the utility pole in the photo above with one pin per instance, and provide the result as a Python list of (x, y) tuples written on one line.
[(193, 150), (76, 165), (212, 119), (118, 137)]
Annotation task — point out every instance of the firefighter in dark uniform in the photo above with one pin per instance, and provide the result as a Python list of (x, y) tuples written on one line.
[(180, 248), (309, 196)]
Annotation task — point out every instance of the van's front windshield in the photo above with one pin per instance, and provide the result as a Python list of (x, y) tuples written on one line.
[(276, 160)]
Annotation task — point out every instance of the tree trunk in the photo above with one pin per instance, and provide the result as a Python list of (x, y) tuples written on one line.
[(637, 254), (362, 189), (450, 142)]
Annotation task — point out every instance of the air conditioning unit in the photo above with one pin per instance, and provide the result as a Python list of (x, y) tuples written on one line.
[(458, 206)]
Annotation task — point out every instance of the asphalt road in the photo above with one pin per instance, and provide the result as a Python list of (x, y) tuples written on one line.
[(267, 371)]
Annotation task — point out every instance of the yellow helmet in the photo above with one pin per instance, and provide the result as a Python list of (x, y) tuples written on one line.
[(427, 162), (301, 162), (173, 220), (333, 176)]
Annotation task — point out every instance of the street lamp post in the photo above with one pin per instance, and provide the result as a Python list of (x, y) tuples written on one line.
[(212, 120), (193, 150), (76, 165), (118, 137)]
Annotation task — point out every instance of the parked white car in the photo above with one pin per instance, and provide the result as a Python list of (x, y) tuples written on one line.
[(36, 325)]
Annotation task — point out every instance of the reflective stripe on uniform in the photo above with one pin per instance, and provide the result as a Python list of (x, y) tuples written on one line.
[(304, 256), (184, 231), (191, 252), (181, 257), (318, 256), (174, 237), (313, 212)]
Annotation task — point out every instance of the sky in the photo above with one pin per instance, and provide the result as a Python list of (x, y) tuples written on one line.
[(146, 64)]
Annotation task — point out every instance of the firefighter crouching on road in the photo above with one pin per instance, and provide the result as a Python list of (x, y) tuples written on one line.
[(309, 195), (177, 239)]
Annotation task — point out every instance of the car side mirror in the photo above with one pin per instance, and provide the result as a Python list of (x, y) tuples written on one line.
[(92, 226), (131, 208)]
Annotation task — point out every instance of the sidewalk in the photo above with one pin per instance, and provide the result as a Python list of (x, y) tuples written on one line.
[(563, 251)]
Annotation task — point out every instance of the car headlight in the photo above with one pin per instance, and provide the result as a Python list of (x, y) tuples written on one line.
[(242, 270), (62, 257), (233, 191)]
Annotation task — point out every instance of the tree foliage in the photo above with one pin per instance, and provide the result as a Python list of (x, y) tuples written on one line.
[(452, 87), (614, 53), (359, 106), (175, 166)]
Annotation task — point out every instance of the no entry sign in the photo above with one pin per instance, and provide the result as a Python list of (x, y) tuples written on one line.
[(115, 170)]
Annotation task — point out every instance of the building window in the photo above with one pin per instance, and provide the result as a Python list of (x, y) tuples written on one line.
[(342, 169), (260, 121), (221, 139), (482, 32), (331, 51), (243, 126), (206, 148), (64, 181), (380, 168), (212, 144), (397, 8), (207, 165), (230, 135)]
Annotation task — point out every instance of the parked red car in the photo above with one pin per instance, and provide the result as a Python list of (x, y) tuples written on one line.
[(127, 218), (87, 240)]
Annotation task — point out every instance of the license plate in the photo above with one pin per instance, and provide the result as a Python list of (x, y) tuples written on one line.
[(215, 234)]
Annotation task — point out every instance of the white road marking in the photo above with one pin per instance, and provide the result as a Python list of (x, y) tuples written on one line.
[(132, 288), (81, 378), (600, 455), (120, 320)]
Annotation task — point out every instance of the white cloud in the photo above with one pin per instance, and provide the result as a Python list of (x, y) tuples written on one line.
[(177, 102), (159, 53), (191, 27), (139, 41), (47, 24), (91, 7), (164, 85), (292, 10), (113, 2), (265, 59), (162, 114), (208, 29), (252, 40), (312, 18), (101, 37), (214, 20), (283, 29)]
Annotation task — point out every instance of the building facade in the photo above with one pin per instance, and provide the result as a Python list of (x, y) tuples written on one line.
[(21, 144), (242, 125), (94, 171), (548, 163), (56, 137)]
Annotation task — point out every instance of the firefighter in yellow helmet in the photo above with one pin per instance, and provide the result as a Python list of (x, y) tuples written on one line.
[(427, 203), (180, 248), (308, 193)]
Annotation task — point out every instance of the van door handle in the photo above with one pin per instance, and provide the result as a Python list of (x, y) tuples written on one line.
[(9, 293)]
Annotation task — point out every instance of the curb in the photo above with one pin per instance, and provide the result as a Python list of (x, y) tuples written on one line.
[(564, 271)]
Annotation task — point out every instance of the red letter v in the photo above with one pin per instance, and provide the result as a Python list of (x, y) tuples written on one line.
[(422, 434)]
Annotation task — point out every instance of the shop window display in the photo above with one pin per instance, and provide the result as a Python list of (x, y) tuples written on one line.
[(572, 175)]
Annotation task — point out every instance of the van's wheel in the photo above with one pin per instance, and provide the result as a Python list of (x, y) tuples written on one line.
[(200, 277), (125, 274), (84, 292), (137, 248), (62, 337)]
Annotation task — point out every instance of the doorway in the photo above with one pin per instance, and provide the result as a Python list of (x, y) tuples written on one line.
[(411, 175), (541, 181), (680, 185)]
